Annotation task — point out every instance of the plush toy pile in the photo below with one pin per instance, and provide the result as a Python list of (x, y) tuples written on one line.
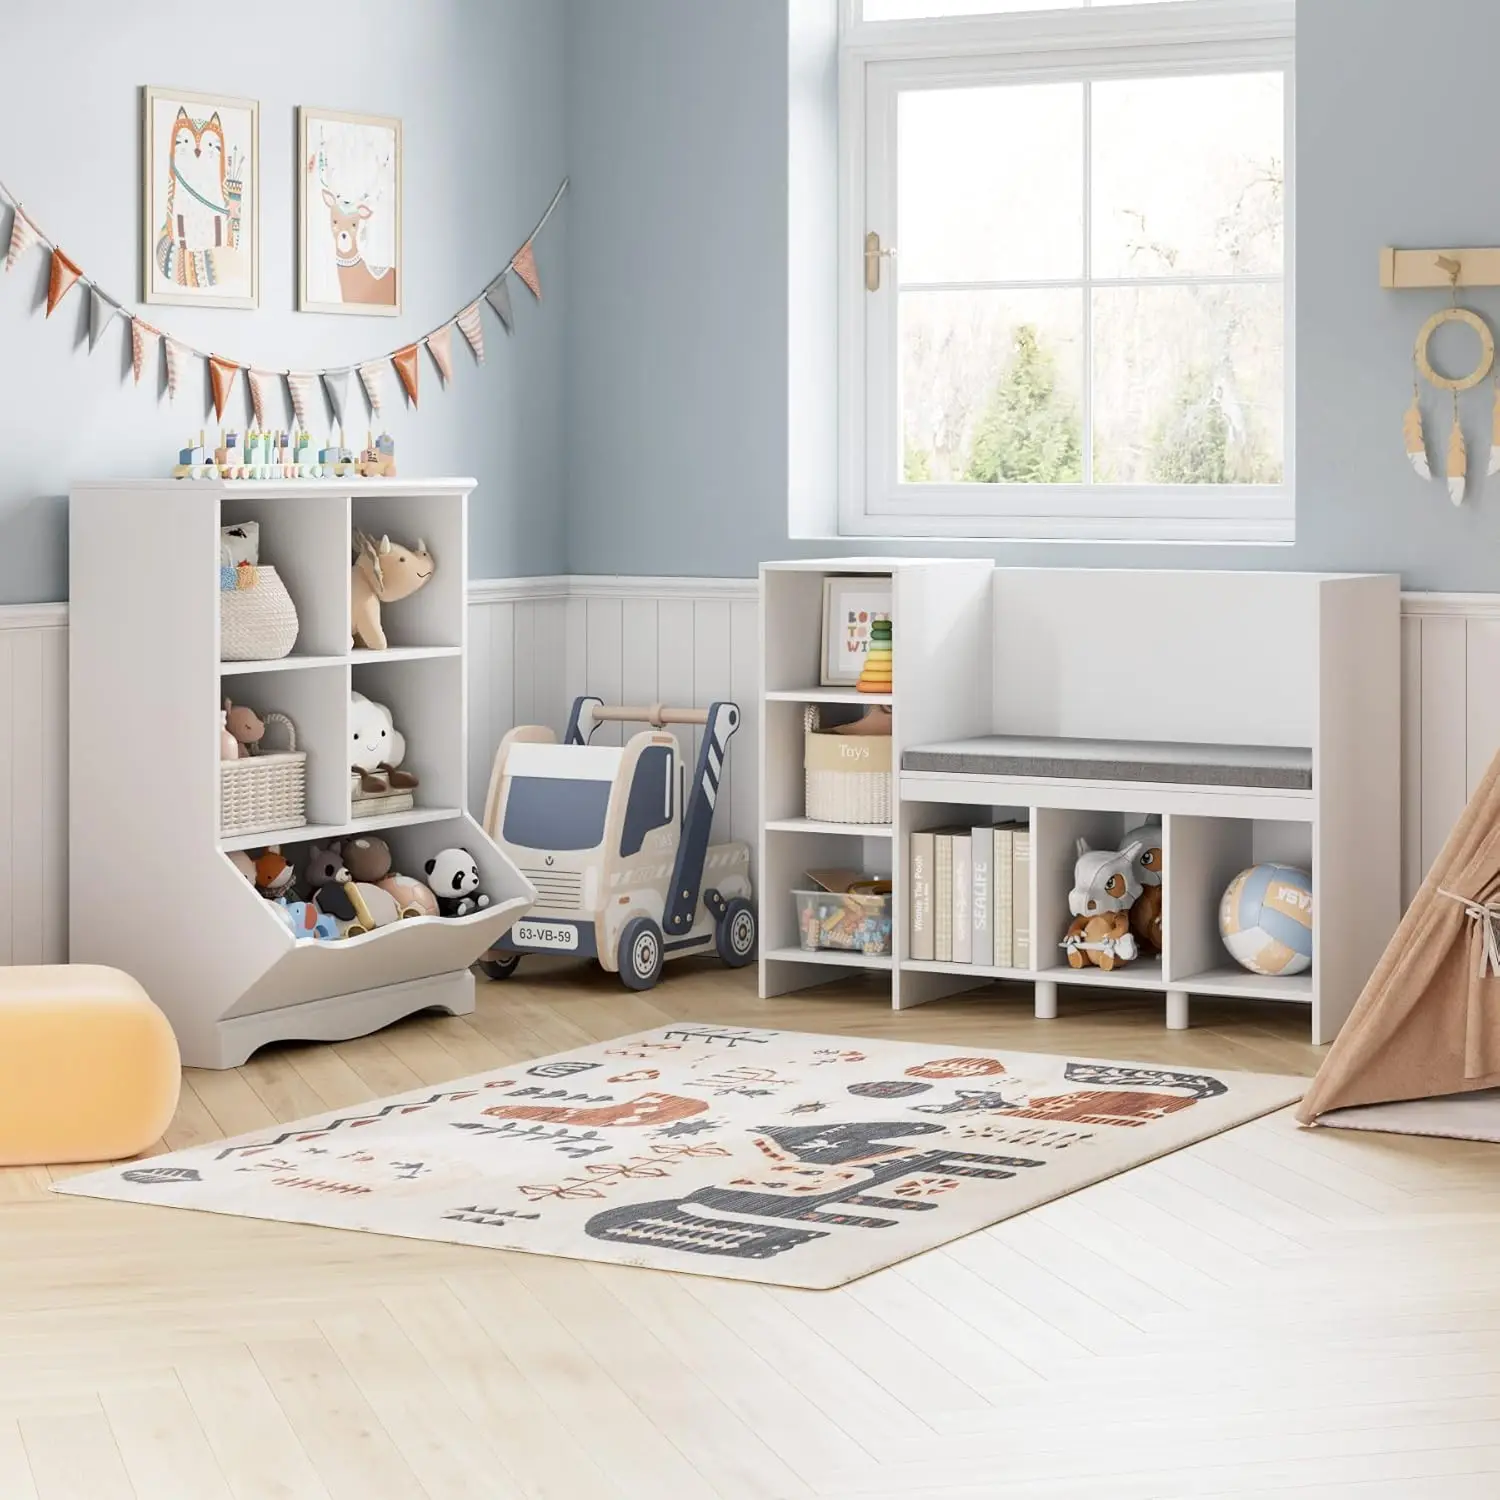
[(349, 887), (1116, 902)]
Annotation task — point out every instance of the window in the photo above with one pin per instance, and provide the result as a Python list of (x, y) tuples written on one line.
[(1066, 304)]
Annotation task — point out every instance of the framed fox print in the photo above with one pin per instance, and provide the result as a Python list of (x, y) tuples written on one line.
[(200, 182), (348, 213)]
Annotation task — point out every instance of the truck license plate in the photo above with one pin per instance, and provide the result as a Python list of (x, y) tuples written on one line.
[(545, 935)]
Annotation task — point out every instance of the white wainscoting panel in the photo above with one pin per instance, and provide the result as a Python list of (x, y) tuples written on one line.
[(537, 642), (682, 641), (34, 783)]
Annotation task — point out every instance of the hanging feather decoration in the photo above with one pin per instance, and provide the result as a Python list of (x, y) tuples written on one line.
[(1416, 443), (1458, 463), (1494, 464)]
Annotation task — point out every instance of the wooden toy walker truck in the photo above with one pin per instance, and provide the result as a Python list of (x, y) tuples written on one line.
[(616, 843)]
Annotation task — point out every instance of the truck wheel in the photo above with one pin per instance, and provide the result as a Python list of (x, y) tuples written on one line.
[(734, 936), (498, 965), (640, 954)]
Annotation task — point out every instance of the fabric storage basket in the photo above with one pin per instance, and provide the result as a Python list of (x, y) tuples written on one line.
[(257, 619), (848, 775), (262, 793)]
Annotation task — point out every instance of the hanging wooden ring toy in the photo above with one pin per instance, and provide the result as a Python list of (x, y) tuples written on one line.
[(1486, 349), (1457, 468)]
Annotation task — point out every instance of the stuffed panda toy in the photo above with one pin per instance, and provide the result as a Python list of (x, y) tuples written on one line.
[(454, 879)]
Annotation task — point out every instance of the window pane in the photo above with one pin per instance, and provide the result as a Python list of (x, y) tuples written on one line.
[(1188, 176), (990, 387), (1188, 385), (990, 183)]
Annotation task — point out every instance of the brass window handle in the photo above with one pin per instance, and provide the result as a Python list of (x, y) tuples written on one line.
[(873, 252)]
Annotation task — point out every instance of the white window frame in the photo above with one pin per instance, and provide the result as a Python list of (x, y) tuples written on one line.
[(877, 60)]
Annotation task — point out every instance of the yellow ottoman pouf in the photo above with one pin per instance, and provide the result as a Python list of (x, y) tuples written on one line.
[(89, 1068)]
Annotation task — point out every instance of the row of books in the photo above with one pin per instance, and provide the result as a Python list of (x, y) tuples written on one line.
[(971, 896)]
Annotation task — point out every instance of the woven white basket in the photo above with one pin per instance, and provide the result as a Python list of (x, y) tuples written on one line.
[(261, 793), (855, 792), (258, 623)]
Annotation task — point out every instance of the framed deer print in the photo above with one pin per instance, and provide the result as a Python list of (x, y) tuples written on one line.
[(200, 184), (348, 213)]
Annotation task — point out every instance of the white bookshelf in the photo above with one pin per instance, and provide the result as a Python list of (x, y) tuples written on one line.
[(1276, 659), (151, 887)]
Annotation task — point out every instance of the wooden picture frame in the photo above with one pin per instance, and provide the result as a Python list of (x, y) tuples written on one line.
[(349, 245), (850, 603), (200, 199)]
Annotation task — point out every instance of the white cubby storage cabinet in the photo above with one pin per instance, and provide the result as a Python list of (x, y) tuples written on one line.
[(1288, 660), (152, 890)]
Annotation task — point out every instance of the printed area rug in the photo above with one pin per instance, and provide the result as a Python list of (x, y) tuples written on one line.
[(770, 1156)]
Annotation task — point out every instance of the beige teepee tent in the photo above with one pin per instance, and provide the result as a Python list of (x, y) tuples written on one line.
[(1420, 1052)]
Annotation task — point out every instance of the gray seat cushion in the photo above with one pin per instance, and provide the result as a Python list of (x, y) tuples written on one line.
[(1268, 766)]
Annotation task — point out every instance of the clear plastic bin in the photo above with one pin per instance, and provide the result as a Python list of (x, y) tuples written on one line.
[(850, 921)]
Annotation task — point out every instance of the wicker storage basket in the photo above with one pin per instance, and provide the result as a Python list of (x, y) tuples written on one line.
[(258, 623), (262, 793), (848, 775)]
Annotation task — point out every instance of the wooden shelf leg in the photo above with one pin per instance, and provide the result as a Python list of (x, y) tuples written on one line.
[(1177, 1010), (1046, 1000)]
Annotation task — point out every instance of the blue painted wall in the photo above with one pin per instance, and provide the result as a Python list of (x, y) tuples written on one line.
[(680, 345), (479, 87)]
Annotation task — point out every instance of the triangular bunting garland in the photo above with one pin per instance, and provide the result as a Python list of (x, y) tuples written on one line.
[(143, 341), (22, 238), (222, 373), (60, 283), (301, 385), (405, 361), (259, 382), (177, 356), (472, 329), (101, 314), (336, 383), (498, 293), (525, 264), (64, 274), (369, 376), (440, 347)]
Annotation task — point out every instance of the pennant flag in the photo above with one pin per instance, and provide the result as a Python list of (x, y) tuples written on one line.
[(259, 382), (336, 383), (440, 347), (143, 341), (101, 314), (177, 357), (407, 367), (498, 293), (525, 264), (473, 329), (64, 274), (222, 373), (369, 376), (301, 385), (22, 238)]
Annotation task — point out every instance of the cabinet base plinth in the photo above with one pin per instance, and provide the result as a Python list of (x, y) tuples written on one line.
[(339, 1018)]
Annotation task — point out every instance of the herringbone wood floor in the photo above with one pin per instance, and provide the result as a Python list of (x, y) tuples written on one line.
[(1273, 1312)]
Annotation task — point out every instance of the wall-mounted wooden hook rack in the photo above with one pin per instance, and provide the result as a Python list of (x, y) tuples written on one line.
[(1409, 270)]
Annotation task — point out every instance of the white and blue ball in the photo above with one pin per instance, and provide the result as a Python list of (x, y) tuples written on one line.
[(1266, 919)]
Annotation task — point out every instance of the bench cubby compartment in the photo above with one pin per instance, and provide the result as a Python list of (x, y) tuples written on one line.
[(1203, 855)]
